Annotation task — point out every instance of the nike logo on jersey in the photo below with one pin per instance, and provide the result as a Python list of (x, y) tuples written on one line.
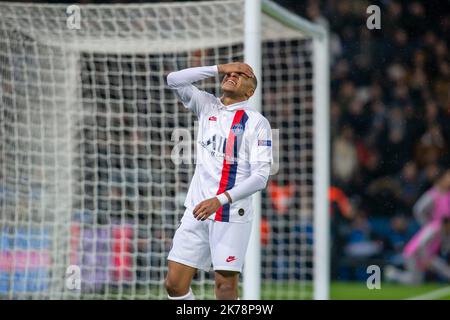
[(231, 259), (212, 118)]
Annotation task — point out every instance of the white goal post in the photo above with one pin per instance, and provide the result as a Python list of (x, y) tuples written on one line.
[(252, 281), (88, 186)]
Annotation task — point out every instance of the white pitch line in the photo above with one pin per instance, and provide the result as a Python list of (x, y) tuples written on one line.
[(436, 294)]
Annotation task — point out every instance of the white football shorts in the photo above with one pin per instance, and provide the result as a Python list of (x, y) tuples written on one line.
[(199, 243)]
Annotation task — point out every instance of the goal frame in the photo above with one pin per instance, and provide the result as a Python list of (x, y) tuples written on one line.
[(321, 221)]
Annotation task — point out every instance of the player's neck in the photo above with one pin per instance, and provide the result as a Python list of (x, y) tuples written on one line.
[(229, 100)]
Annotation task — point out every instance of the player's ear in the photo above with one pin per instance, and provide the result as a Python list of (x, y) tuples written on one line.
[(250, 92)]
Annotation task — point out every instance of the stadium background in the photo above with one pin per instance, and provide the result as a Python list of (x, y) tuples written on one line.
[(390, 132)]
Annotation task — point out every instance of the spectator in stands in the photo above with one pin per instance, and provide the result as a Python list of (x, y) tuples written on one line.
[(410, 184), (341, 211), (344, 159), (396, 236), (362, 242)]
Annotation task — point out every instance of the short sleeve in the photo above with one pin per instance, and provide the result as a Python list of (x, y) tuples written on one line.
[(261, 143)]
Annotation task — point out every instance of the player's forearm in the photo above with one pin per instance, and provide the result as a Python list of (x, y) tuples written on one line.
[(249, 186), (254, 183), (188, 76)]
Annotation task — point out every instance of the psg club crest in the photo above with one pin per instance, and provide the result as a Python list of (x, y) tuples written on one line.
[(237, 129)]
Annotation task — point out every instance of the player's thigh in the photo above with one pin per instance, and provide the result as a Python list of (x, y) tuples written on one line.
[(229, 242), (190, 245)]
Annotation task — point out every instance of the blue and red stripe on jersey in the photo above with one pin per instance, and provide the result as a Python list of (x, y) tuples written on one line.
[(230, 164)]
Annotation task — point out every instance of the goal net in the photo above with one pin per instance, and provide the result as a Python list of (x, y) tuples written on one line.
[(91, 190)]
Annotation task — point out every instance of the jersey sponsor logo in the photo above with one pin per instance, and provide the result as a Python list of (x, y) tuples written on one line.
[(215, 145), (212, 118), (237, 129), (231, 259), (264, 143)]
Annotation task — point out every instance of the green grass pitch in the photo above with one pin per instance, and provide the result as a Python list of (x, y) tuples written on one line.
[(359, 291), (276, 290)]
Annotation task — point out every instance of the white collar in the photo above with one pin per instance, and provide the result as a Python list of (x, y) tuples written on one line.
[(234, 106)]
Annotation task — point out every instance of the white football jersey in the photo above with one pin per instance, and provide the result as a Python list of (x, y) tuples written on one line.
[(229, 139)]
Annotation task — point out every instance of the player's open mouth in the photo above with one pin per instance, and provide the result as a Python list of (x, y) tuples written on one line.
[(231, 82)]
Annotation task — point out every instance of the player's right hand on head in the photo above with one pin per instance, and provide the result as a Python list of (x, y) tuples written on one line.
[(238, 67)]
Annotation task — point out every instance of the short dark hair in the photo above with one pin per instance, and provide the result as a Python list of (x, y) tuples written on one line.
[(255, 82)]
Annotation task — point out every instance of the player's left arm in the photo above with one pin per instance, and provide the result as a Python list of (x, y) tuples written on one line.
[(255, 182), (260, 164)]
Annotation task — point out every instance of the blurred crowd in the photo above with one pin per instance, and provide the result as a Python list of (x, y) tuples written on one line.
[(390, 116)]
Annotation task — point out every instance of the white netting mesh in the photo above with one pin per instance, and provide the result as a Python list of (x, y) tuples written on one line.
[(86, 130)]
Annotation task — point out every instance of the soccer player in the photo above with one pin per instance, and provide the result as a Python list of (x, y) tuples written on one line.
[(429, 248), (233, 162)]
